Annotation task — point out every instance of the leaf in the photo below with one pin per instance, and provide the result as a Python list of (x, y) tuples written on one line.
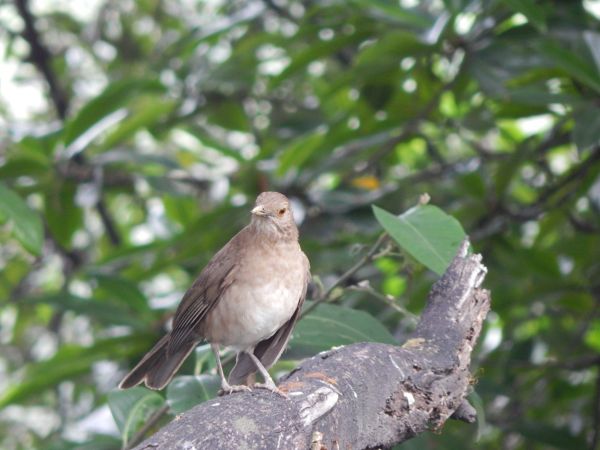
[(230, 115), (145, 112), (122, 290), (394, 11), (299, 151), (131, 409), (592, 336), (592, 40), (63, 216), (430, 235), (187, 391), (333, 325), (586, 131), (70, 361), (571, 63), (386, 50), (112, 98), (535, 14), (108, 312), (302, 58), (204, 358), (547, 434), (25, 164), (27, 225)]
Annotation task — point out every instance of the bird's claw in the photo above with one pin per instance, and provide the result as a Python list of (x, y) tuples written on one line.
[(271, 387)]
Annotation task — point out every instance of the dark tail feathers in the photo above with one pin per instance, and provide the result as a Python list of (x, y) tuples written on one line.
[(157, 367)]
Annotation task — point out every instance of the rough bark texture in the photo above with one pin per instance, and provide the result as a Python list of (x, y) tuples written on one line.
[(359, 396)]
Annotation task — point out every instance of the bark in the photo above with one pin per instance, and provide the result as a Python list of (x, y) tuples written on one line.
[(360, 396)]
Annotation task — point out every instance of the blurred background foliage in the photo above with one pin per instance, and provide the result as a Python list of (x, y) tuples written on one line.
[(134, 136)]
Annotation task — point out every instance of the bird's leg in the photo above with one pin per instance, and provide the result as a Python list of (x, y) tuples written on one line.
[(269, 383), (226, 388)]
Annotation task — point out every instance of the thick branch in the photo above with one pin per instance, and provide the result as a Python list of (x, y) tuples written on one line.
[(365, 395)]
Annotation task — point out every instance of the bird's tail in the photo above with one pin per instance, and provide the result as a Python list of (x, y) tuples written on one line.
[(157, 367)]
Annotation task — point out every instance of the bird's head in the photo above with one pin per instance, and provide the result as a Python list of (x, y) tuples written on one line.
[(272, 214)]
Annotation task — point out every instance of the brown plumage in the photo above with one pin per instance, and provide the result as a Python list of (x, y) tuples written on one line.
[(249, 296)]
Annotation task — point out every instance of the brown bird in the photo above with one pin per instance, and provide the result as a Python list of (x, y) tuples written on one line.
[(249, 296)]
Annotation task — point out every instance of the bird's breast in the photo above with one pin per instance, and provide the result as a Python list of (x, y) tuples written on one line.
[(263, 296)]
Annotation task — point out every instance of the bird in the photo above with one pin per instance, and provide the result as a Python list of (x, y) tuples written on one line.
[(248, 297)]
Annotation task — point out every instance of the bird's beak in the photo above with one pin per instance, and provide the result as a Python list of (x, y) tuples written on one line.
[(259, 211)]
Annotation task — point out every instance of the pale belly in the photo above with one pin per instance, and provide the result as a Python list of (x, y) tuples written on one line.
[(245, 316)]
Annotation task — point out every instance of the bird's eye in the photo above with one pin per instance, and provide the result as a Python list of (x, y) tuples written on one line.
[(281, 212)]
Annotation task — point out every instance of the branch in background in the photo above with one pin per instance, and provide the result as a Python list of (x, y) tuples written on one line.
[(394, 392), (367, 258), (42, 59), (573, 177), (553, 196)]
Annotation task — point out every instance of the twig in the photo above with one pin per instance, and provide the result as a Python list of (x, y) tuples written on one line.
[(154, 418), (368, 257), (385, 299), (109, 225)]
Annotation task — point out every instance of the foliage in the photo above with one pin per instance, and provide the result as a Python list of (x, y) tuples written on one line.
[(136, 134)]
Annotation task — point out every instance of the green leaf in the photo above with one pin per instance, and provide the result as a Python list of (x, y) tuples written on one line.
[(592, 336), (145, 112), (592, 40), (70, 361), (430, 235), (108, 312), (187, 391), (333, 325), (131, 409), (112, 98), (27, 225), (121, 290), (25, 164), (552, 436), (308, 54), (229, 115), (299, 151), (63, 216), (205, 359), (213, 143), (586, 131), (535, 14), (572, 63), (383, 54), (393, 11)]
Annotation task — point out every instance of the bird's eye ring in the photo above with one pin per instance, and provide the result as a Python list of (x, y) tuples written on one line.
[(281, 212)]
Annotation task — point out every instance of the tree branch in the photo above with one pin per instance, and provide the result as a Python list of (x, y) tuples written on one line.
[(365, 395), (40, 57)]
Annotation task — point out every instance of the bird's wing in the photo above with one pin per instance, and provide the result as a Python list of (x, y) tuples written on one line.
[(270, 350), (203, 295)]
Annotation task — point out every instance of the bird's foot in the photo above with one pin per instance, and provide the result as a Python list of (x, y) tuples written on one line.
[(271, 387), (227, 389)]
